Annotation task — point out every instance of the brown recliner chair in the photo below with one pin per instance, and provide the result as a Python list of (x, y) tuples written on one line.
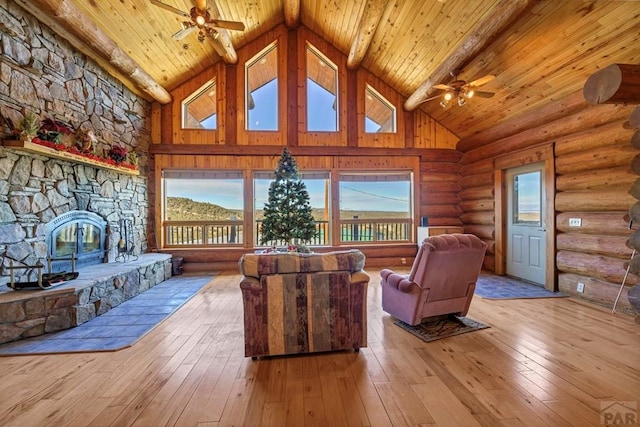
[(442, 279)]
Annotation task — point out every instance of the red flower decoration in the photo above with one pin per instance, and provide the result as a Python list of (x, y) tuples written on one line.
[(77, 152)]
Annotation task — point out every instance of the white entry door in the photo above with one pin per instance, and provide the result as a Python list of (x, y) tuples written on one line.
[(526, 223)]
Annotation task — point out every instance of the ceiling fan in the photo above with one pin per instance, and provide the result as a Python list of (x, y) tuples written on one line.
[(460, 89), (199, 19)]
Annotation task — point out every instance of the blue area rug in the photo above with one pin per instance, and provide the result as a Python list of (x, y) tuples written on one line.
[(490, 286), (119, 327)]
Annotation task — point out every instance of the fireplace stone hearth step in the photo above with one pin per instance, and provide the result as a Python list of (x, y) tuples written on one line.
[(97, 289)]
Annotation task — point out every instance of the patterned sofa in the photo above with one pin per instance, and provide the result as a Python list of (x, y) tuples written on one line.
[(303, 303)]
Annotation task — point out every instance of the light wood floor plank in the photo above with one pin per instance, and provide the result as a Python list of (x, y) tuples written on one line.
[(543, 362), (294, 403)]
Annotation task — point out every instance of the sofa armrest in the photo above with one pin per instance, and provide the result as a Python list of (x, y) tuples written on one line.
[(250, 283), (398, 281), (359, 276)]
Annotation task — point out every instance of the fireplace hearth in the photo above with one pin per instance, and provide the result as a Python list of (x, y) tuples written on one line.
[(82, 233)]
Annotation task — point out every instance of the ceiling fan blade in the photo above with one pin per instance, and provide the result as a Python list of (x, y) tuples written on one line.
[(443, 87), (483, 94), (183, 33), (227, 25), (170, 8), (482, 80)]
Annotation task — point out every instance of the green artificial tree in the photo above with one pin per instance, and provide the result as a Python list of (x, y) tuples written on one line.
[(287, 214)]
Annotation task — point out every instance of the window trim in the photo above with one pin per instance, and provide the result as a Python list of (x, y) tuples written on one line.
[(247, 94), (394, 111), (248, 222), (313, 49), (232, 230), (201, 90)]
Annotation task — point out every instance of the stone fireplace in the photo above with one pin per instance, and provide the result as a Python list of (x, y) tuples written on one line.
[(79, 233), (51, 207)]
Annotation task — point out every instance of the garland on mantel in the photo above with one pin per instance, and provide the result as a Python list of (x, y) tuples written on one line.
[(90, 156), (52, 134)]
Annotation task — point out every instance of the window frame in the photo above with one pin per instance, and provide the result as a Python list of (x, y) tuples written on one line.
[(247, 93), (247, 225), (312, 49), (311, 175), (211, 233), (184, 104), (380, 98)]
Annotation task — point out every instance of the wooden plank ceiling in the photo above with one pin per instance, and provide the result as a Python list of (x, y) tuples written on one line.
[(544, 51)]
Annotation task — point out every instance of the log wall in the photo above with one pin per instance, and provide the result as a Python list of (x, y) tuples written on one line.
[(592, 157)]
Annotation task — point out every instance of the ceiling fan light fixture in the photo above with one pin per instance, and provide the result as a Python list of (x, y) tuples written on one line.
[(470, 93), (448, 96), (200, 20), (444, 103), (461, 101)]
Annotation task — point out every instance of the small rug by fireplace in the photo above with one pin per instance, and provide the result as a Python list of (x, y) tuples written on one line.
[(120, 327), (442, 327)]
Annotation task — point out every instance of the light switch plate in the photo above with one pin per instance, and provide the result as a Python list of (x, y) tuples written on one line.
[(575, 222)]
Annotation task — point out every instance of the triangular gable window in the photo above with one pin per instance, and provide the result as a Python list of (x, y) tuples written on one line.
[(199, 110), (380, 114)]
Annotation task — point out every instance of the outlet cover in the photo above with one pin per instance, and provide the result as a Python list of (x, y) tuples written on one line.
[(575, 222), (580, 287)]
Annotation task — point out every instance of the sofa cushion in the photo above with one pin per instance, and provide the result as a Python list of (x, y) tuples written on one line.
[(255, 265)]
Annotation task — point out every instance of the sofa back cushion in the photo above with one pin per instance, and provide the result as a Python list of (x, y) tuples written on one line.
[(256, 265)]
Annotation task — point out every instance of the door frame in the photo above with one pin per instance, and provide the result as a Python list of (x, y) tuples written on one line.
[(521, 158)]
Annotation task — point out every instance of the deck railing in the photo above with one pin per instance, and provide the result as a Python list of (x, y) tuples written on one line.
[(321, 238), (203, 233), (375, 230), (231, 232)]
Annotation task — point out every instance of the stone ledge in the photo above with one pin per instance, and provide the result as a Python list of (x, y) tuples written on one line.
[(97, 289)]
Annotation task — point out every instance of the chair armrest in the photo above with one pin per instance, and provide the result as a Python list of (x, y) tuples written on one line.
[(398, 281)]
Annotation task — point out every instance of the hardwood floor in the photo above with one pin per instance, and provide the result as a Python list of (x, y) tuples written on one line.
[(543, 362)]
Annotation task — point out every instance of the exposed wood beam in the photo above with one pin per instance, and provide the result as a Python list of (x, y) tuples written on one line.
[(292, 13), (88, 38), (222, 43), (426, 154), (373, 11), (614, 84), (503, 15)]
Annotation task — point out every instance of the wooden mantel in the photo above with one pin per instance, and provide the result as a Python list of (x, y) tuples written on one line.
[(64, 155)]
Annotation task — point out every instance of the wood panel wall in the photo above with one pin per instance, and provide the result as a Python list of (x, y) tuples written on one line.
[(592, 176), (429, 145)]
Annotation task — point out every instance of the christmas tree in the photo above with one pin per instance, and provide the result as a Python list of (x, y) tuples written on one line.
[(287, 214)]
